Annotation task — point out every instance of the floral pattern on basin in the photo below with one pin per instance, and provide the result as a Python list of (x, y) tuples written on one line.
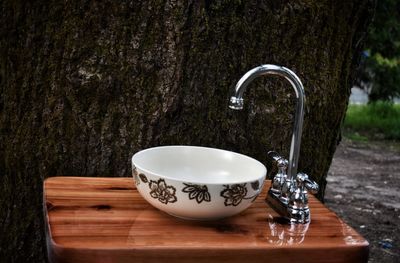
[(135, 175), (143, 178), (198, 192), (163, 192), (255, 185), (234, 194)]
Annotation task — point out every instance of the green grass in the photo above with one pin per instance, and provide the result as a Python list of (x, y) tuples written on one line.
[(380, 120)]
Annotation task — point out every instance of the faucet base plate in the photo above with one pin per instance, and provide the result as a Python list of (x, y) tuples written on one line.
[(293, 215)]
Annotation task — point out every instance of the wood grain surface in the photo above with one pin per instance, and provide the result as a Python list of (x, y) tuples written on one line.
[(106, 220)]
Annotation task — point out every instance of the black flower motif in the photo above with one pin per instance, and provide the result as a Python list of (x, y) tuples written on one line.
[(234, 194), (198, 192), (143, 178), (163, 192), (255, 185), (135, 175)]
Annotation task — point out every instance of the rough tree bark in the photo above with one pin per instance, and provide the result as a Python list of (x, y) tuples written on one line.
[(85, 84)]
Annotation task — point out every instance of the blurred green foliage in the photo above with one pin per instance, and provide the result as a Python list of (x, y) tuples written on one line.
[(379, 73), (377, 120)]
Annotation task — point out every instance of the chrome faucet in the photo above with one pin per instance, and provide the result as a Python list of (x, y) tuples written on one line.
[(288, 192)]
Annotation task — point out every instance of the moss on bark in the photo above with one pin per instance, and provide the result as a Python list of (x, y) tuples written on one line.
[(85, 84)]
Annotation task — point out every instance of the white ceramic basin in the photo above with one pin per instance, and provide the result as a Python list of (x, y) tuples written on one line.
[(197, 182)]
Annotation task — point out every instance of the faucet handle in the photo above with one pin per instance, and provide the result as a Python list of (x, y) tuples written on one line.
[(276, 164), (304, 182), (274, 156)]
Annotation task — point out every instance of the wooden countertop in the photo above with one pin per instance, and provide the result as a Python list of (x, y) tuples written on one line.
[(106, 220)]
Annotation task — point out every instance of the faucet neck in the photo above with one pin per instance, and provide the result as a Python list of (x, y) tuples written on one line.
[(290, 76)]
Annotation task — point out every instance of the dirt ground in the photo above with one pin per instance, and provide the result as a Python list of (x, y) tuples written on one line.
[(364, 189)]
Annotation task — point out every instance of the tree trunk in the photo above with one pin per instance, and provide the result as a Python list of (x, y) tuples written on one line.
[(85, 84)]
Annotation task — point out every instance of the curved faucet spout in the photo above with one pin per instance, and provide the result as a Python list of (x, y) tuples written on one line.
[(236, 102)]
